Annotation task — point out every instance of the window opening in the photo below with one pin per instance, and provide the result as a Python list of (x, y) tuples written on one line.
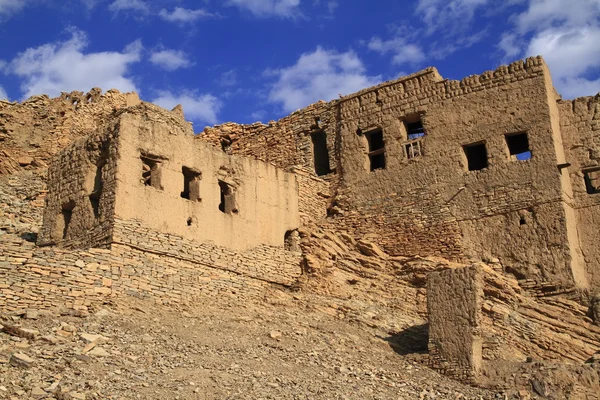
[(67, 214), (190, 221), (518, 146), (320, 153), (376, 149), (98, 186), (476, 154), (414, 130), (227, 204), (191, 184), (592, 180), (413, 149), (151, 172)]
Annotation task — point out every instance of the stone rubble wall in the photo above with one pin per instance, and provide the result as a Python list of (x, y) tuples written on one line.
[(454, 304), (580, 126), (71, 179), (168, 269), (33, 131)]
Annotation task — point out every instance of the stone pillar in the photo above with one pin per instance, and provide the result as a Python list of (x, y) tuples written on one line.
[(454, 301)]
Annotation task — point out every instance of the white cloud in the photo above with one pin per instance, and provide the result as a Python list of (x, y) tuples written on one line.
[(56, 67), (9, 7), (448, 15), (170, 60), (544, 14), (198, 107), (568, 38), (3, 95), (267, 8), (228, 78), (320, 75), (184, 15), (403, 52), (136, 6)]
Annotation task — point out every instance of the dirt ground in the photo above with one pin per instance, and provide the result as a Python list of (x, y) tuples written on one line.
[(217, 349)]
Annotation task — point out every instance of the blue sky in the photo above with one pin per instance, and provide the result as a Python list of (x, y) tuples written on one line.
[(249, 60)]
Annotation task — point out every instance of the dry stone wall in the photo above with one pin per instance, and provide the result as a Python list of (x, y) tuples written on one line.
[(33, 131), (79, 209), (168, 268)]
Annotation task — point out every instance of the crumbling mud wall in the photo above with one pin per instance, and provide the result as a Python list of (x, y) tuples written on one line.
[(175, 184), (453, 186), (33, 131), (454, 303), (146, 166), (429, 166), (580, 127), (79, 210)]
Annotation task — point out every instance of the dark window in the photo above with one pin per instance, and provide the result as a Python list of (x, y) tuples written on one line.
[(320, 152), (67, 214), (414, 130), (413, 149), (191, 184), (376, 149), (476, 154), (592, 180), (518, 146), (151, 172), (227, 204), (98, 186)]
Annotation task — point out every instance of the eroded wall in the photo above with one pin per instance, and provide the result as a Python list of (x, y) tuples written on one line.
[(262, 205), (79, 209), (454, 301), (580, 127), (432, 203)]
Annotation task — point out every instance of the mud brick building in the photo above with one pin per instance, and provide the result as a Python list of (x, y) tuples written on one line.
[(495, 166)]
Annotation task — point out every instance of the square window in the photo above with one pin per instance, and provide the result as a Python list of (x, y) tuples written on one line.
[(413, 149), (476, 154), (592, 180), (518, 146), (191, 184), (414, 130), (151, 171), (228, 204)]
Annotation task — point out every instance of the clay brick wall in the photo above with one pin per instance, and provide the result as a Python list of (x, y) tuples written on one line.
[(580, 127), (454, 304), (432, 203)]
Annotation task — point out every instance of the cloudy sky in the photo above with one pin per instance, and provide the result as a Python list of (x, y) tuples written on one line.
[(249, 60)]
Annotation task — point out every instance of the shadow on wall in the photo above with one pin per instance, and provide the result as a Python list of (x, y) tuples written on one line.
[(412, 340)]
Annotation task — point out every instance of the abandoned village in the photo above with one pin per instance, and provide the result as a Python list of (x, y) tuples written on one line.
[(496, 174)]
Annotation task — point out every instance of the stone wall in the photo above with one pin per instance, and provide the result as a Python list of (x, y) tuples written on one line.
[(33, 131), (141, 262), (580, 126), (454, 304), (79, 210)]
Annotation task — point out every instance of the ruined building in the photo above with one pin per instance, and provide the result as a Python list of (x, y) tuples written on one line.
[(495, 168)]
